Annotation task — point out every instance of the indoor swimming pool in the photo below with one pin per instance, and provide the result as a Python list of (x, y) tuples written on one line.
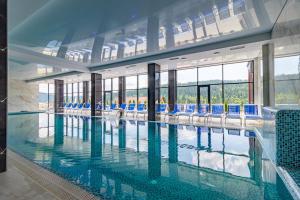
[(128, 159)]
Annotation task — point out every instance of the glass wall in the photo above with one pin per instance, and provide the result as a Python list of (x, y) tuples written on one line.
[(228, 83), (164, 87), (136, 89), (287, 80), (46, 96)]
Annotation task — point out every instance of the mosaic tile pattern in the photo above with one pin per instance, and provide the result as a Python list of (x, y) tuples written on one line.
[(288, 138)]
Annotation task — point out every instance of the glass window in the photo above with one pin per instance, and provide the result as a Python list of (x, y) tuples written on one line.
[(164, 79), (163, 95), (107, 85), (237, 72), (131, 96), (131, 82), (210, 75), (115, 84), (143, 81), (216, 94), (143, 96), (51, 96), (43, 96), (115, 97), (287, 92), (187, 95), (80, 87), (236, 93), (287, 68), (187, 77)]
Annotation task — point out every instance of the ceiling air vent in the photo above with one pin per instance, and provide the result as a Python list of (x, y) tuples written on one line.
[(176, 58)]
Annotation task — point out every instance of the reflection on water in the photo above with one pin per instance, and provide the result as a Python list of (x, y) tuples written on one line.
[(143, 160)]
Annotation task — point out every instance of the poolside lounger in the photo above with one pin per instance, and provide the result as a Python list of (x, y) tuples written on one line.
[(68, 107), (78, 108), (189, 110), (202, 112), (217, 111), (177, 109), (141, 109), (73, 107), (251, 112), (130, 109), (86, 107), (234, 112), (250, 133), (161, 109)]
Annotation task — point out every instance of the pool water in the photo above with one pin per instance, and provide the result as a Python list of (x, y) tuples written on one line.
[(119, 159)]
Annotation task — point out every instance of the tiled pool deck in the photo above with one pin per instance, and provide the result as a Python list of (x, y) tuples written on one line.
[(25, 180)]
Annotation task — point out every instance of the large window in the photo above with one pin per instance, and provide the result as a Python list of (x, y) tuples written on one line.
[(142, 89), (131, 89), (164, 87), (229, 83), (46, 96), (287, 80)]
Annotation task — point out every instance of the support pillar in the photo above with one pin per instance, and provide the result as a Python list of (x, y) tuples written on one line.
[(170, 40), (257, 82), (58, 96), (268, 75), (85, 91), (152, 34), (96, 93), (172, 89), (122, 90), (153, 89), (3, 84), (120, 51)]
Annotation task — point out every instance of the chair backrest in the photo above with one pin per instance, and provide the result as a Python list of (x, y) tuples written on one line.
[(74, 105), (161, 107), (190, 108), (80, 105), (234, 109), (177, 108), (250, 109), (217, 109), (113, 106), (131, 106), (203, 108), (141, 107), (123, 106), (87, 105), (69, 105)]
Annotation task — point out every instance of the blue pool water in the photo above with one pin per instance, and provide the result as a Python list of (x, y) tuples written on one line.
[(118, 159)]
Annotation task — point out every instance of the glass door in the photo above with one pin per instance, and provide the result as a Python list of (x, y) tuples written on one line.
[(107, 98), (203, 95)]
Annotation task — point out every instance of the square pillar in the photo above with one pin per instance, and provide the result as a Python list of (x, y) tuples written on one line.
[(268, 75), (153, 89), (122, 90), (58, 96), (85, 91), (96, 93), (172, 89), (3, 84)]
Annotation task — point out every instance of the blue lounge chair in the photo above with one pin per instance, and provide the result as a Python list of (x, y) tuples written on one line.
[(189, 110), (68, 106), (86, 107), (234, 112), (161, 109), (177, 109), (123, 106), (251, 112), (141, 109), (74, 107), (217, 111), (130, 109), (78, 108), (202, 111), (110, 108)]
